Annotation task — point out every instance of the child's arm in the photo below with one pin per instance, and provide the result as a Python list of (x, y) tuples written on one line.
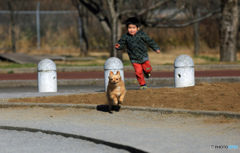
[(121, 43), (117, 45), (151, 43)]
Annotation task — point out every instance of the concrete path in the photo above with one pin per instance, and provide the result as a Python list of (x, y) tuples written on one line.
[(143, 131)]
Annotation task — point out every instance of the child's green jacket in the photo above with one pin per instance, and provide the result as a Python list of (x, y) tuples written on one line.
[(136, 48)]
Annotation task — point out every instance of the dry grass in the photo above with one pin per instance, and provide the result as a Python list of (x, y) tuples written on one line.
[(167, 57), (164, 58)]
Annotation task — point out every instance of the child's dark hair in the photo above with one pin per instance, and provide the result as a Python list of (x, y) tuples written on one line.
[(134, 21)]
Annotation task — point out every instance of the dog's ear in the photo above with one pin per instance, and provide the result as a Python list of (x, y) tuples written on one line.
[(118, 73), (111, 73)]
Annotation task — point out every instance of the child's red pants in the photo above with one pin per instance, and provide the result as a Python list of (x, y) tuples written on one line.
[(139, 68)]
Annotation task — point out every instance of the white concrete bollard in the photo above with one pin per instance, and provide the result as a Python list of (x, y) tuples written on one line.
[(184, 71), (47, 76), (112, 64)]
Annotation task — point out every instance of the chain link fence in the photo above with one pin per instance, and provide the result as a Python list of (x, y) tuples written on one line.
[(39, 25)]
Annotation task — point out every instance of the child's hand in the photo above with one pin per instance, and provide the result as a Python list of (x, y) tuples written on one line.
[(117, 45), (158, 51)]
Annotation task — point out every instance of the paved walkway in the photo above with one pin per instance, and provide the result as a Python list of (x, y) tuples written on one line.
[(127, 74), (54, 130)]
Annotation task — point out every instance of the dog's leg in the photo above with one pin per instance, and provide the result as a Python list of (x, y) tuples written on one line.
[(114, 99), (110, 107), (122, 98), (109, 103)]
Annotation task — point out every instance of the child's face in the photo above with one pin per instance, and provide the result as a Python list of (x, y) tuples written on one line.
[(132, 29)]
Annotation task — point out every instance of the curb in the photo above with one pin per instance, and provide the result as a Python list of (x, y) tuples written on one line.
[(233, 115), (128, 81)]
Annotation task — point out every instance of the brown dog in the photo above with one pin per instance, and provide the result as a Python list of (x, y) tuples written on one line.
[(116, 90)]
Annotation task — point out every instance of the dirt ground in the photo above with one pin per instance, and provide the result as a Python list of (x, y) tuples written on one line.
[(203, 96)]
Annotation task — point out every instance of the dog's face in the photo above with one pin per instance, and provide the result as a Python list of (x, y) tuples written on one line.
[(114, 78)]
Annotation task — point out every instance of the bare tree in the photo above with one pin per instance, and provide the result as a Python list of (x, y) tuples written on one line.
[(194, 13), (113, 6), (110, 12), (107, 12), (83, 27), (98, 8), (186, 23), (228, 30), (194, 10)]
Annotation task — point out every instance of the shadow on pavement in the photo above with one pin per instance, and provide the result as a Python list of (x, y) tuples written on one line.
[(68, 135), (105, 108)]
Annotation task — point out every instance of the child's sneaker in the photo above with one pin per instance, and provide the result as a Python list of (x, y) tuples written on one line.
[(147, 75), (144, 87)]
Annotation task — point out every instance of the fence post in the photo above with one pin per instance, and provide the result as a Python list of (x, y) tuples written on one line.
[(38, 25)]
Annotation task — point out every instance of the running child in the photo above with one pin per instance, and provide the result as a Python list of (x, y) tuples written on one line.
[(135, 41)]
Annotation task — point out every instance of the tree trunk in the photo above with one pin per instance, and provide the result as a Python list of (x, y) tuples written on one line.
[(83, 29), (228, 30), (196, 14), (113, 38), (12, 26), (119, 33), (116, 34), (114, 12), (196, 38), (84, 17)]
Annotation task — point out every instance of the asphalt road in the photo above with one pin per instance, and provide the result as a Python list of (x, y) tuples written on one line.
[(145, 131)]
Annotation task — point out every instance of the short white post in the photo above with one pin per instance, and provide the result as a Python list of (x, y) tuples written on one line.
[(184, 71), (112, 64), (47, 76)]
